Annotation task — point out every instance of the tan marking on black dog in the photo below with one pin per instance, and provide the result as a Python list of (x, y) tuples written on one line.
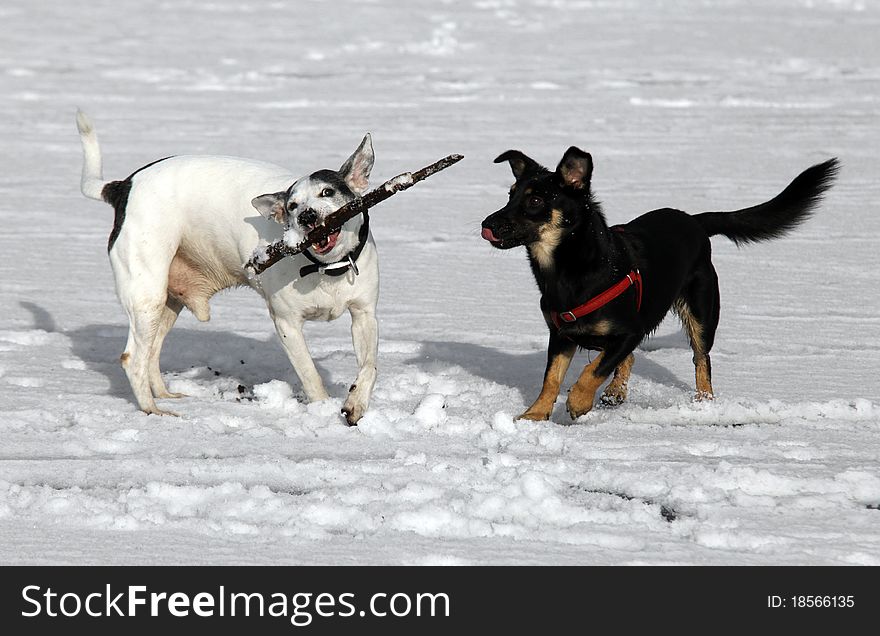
[(543, 406), (702, 368), (583, 393), (691, 326), (703, 373), (602, 328), (549, 237), (616, 391)]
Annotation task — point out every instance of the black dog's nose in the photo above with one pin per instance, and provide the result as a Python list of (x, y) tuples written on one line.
[(307, 218)]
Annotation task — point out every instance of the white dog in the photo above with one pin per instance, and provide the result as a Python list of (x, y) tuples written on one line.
[(184, 228)]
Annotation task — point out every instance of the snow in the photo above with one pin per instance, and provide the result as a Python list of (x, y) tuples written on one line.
[(292, 237), (699, 105), (400, 182)]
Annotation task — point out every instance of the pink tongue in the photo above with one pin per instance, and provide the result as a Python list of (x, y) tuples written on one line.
[(487, 234)]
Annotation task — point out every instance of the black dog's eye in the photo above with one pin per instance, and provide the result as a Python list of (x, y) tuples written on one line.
[(291, 206), (327, 192), (534, 202)]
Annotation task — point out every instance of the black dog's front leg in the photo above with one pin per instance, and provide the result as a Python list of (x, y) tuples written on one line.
[(583, 393), (559, 354)]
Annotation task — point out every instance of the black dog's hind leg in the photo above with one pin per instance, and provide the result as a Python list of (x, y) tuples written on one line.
[(560, 351), (699, 308), (583, 393)]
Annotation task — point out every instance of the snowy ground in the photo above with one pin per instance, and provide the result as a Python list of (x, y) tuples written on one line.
[(698, 105)]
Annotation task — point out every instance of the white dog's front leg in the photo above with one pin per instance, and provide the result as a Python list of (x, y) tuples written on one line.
[(291, 335), (365, 336)]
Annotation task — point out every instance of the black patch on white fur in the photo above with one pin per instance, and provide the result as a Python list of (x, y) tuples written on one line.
[(333, 179), (116, 194)]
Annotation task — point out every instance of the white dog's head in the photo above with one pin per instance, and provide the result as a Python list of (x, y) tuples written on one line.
[(311, 199)]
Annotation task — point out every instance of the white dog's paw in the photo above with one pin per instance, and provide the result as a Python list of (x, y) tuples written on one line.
[(354, 407), (352, 413), (157, 411)]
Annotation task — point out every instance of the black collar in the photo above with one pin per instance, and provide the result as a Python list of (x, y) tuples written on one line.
[(348, 262)]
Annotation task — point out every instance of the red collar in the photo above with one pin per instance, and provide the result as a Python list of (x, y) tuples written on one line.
[(602, 299)]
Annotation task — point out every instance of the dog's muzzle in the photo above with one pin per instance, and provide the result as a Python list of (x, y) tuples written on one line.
[(307, 218)]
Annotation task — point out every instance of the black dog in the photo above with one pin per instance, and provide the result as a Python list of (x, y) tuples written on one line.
[(606, 288)]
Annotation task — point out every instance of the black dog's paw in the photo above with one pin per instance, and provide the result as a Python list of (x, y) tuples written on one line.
[(611, 400)]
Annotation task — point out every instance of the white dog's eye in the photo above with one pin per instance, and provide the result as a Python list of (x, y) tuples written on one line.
[(327, 192)]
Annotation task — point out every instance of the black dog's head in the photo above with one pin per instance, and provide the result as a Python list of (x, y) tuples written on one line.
[(543, 205)]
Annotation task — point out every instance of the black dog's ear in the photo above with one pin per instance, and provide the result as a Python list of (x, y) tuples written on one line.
[(356, 169), (519, 162), (272, 206), (576, 168)]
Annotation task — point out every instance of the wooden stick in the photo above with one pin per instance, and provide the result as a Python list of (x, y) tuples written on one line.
[(264, 258)]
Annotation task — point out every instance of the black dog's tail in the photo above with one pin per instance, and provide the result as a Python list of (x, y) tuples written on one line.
[(776, 217)]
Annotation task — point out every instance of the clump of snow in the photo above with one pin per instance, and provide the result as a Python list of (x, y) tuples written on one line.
[(399, 182), (293, 236), (260, 254), (430, 410), (276, 394)]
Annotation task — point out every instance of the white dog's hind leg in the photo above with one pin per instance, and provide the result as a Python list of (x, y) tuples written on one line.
[(166, 322), (365, 337), (141, 272), (291, 335), (144, 318)]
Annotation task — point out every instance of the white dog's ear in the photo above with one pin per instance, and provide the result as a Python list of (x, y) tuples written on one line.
[(272, 206), (356, 170)]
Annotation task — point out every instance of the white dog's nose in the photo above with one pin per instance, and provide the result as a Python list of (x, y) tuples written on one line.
[(307, 218)]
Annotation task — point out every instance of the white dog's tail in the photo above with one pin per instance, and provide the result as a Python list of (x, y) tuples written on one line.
[(92, 182)]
